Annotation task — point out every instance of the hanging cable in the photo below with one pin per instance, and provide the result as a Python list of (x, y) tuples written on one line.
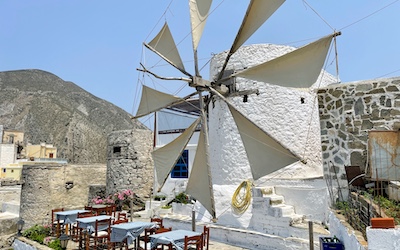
[(373, 13), (304, 1), (241, 199)]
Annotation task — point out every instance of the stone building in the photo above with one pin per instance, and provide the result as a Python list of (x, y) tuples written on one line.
[(129, 162), (49, 186), (348, 113)]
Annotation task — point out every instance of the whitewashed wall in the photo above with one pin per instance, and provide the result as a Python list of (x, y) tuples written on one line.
[(7, 154), (278, 111)]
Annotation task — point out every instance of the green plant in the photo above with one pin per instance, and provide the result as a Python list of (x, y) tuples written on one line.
[(166, 206), (342, 205), (55, 244), (37, 233), (181, 198)]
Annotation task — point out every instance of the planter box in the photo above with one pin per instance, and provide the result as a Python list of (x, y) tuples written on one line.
[(183, 209), (382, 223), (164, 211)]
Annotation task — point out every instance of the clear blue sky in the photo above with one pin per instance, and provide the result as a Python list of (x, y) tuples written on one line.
[(98, 44)]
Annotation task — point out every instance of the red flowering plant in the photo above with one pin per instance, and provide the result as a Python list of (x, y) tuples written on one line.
[(105, 201), (121, 199)]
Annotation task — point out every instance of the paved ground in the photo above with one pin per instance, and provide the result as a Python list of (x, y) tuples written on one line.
[(213, 246)]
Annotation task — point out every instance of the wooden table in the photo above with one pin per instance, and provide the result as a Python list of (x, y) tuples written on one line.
[(88, 224), (129, 231), (69, 217), (174, 237)]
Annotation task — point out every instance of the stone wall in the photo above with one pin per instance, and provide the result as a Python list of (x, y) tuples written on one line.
[(129, 162), (347, 113), (45, 188)]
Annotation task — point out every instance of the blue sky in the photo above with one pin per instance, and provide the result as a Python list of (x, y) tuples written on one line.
[(98, 44)]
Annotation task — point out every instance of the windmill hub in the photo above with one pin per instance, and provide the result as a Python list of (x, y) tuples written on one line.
[(199, 82)]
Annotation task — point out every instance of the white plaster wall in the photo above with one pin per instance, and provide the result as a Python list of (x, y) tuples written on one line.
[(7, 154), (277, 110), (302, 198), (383, 239), (344, 234)]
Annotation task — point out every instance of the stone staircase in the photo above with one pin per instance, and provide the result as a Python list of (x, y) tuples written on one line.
[(272, 216)]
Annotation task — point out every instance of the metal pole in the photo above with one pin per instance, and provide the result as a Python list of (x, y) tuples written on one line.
[(311, 234), (193, 220), (131, 205)]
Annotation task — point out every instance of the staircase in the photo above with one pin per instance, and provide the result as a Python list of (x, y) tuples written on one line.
[(272, 216)]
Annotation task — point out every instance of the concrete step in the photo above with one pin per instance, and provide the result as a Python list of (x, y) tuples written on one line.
[(281, 210), (261, 191)]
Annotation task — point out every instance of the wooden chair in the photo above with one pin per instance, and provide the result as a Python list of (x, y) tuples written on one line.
[(121, 218), (146, 237), (193, 241), (56, 225), (206, 237), (76, 231), (163, 230), (100, 238), (158, 221)]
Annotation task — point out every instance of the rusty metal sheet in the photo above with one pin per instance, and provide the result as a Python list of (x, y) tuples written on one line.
[(384, 155)]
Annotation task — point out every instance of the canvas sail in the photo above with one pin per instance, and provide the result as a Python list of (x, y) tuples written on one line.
[(257, 13), (153, 100), (264, 153), (200, 184), (164, 45), (297, 69), (166, 157), (198, 16)]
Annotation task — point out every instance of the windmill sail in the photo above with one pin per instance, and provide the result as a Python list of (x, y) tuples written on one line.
[(166, 157), (297, 69), (164, 45), (257, 13), (153, 100), (200, 184), (264, 153), (198, 16)]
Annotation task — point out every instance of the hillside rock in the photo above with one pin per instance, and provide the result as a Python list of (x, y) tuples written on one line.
[(49, 109)]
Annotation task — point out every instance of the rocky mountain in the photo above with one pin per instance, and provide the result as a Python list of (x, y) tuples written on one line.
[(51, 110)]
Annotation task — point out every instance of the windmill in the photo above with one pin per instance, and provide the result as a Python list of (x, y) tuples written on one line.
[(297, 69)]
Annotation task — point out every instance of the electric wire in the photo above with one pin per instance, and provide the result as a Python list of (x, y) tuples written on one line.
[(371, 14)]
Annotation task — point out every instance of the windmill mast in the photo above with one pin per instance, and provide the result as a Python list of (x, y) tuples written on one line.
[(204, 127)]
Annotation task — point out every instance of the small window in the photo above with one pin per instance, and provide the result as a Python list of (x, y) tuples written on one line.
[(181, 169), (12, 170), (117, 150), (4, 170), (51, 155)]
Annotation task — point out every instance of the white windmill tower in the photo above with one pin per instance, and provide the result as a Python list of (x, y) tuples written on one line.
[(297, 69)]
